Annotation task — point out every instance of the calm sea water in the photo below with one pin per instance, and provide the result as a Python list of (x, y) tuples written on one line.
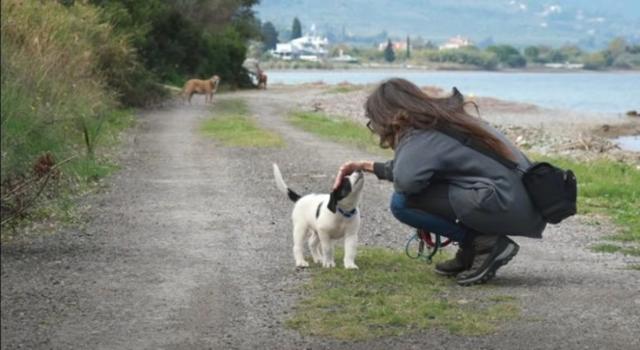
[(631, 143), (599, 92)]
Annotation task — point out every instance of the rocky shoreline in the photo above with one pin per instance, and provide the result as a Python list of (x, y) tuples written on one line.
[(583, 136)]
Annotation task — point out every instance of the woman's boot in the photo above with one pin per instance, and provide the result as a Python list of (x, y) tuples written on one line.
[(461, 262), (490, 253)]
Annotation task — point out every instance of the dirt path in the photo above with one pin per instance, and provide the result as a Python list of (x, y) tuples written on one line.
[(189, 248)]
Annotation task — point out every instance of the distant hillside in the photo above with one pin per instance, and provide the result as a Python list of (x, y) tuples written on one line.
[(520, 22)]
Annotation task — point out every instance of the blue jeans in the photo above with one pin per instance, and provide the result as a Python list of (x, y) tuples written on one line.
[(423, 220)]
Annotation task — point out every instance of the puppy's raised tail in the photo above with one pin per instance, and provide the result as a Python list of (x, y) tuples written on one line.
[(282, 186)]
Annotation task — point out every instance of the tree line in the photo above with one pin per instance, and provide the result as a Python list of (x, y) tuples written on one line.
[(270, 36), (179, 39), (618, 54)]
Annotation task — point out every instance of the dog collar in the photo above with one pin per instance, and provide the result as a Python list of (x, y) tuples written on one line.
[(348, 214)]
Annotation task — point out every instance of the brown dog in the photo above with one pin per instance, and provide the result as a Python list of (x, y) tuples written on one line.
[(262, 80), (202, 87)]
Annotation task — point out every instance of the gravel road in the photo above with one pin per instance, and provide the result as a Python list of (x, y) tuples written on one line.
[(189, 247)]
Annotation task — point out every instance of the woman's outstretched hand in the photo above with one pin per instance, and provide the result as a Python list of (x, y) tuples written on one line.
[(349, 167)]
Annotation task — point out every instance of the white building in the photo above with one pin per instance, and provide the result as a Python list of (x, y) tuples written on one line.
[(565, 65), (342, 58), (455, 43), (307, 48), (283, 51)]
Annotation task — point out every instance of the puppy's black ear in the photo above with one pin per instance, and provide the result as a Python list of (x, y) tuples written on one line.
[(457, 95), (456, 100), (333, 201), (339, 193)]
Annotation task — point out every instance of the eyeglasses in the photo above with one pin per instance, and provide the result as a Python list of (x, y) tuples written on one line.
[(369, 126)]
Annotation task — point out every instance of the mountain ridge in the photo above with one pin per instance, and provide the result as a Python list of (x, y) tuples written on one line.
[(592, 24)]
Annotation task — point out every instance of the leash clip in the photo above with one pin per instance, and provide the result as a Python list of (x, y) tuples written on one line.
[(424, 239)]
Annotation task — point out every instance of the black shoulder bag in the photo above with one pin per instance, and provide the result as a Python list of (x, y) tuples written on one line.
[(552, 190)]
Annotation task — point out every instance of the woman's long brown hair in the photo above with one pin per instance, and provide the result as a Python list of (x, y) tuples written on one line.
[(398, 105)]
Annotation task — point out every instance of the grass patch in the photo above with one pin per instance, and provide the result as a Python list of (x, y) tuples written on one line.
[(502, 298), (633, 251), (392, 295), (338, 130), (91, 169), (634, 267), (233, 126), (605, 248), (343, 89), (613, 248)]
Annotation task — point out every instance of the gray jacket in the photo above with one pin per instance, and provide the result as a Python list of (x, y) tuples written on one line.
[(485, 195)]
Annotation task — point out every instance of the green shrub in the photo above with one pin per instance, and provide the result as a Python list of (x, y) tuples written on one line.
[(470, 56), (50, 82), (508, 55), (177, 41), (627, 61), (595, 61), (55, 98)]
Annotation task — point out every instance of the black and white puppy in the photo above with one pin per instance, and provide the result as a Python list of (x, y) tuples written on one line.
[(326, 218)]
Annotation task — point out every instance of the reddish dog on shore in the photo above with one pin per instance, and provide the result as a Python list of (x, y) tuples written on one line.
[(202, 87), (262, 80)]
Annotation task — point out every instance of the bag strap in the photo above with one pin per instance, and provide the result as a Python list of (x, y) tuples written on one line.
[(475, 145)]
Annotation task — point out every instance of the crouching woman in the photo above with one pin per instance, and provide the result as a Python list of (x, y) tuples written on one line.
[(445, 187)]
